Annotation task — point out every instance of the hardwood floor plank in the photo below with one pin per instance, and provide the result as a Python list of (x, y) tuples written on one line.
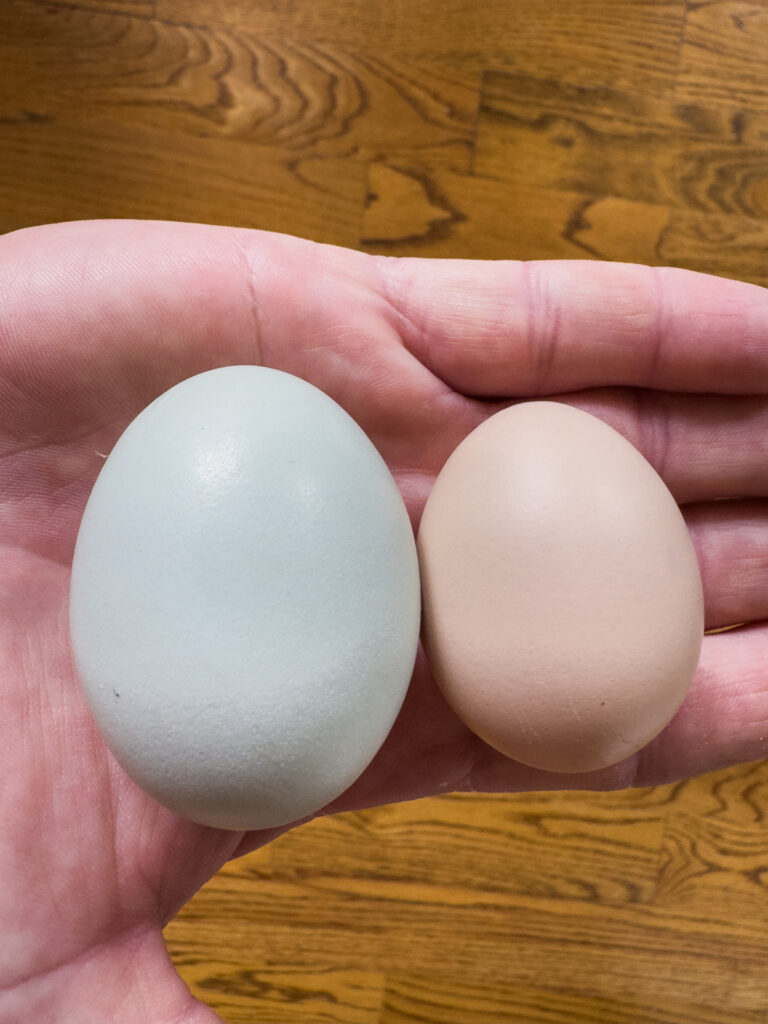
[(445, 214), (614, 858), (724, 54), (301, 97), (606, 41), (680, 953), (604, 142), (713, 859), (283, 995), (412, 999), (733, 247), (738, 795), (139, 8), (386, 906), (77, 169)]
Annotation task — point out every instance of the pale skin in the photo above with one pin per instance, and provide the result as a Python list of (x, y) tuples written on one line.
[(98, 318)]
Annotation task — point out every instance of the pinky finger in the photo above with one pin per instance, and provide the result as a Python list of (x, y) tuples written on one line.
[(724, 720)]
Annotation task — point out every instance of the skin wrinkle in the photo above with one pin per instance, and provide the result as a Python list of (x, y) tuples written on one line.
[(71, 961), (129, 947), (407, 330), (542, 341), (651, 429), (702, 557), (55, 525), (709, 529), (395, 305), (466, 766), (661, 333), (249, 276), (398, 318)]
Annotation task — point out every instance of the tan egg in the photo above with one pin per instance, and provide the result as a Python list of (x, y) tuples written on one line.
[(563, 605)]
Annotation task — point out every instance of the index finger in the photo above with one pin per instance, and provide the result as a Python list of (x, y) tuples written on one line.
[(503, 328)]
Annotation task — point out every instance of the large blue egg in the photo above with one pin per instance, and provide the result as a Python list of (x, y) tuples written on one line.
[(245, 599)]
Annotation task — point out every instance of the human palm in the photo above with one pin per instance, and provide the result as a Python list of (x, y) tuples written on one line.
[(98, 318)]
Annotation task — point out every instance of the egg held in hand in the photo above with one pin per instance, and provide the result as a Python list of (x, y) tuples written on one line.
[(562, 600), (245, 599)]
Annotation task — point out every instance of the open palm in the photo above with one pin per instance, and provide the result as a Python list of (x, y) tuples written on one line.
[(98, 318)]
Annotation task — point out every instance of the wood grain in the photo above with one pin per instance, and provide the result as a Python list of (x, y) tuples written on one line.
[(566, 171), (505, 908), (441, 213), (412, 998), (723, 55), (632, 130), (614, 859), (605, 41), (282, 94), (634, 146), (225, 182), (138, 8)]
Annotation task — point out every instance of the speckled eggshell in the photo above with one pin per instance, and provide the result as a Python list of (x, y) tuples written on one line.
[(245, 599), (562, 600)]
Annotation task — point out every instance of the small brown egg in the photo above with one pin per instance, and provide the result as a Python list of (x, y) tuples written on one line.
[(563, 605)]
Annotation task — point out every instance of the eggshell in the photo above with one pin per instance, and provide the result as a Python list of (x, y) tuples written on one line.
[(245, 599), (562, 600)]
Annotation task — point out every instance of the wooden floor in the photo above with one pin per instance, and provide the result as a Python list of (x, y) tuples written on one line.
[(629, 130), (618, 129)]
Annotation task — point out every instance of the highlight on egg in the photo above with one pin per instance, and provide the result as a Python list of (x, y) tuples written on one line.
[(562, 601), (244, 604)]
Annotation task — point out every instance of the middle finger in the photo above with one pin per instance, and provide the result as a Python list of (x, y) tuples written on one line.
[(705, 447)]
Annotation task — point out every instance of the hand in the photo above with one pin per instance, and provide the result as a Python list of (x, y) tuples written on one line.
[(96, 319)]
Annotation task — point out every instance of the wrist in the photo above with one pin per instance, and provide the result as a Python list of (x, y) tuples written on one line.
[(129, 980)]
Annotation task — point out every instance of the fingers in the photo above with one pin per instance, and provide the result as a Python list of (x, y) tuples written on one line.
[(506, 328), (731, 542), (724, 720), (99, 317), (705, 447)]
